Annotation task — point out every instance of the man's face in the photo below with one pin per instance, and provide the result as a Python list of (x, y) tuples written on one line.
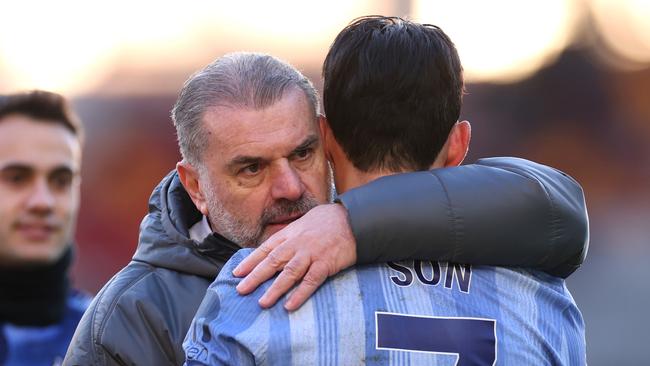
[(39, 190), (262, 168)]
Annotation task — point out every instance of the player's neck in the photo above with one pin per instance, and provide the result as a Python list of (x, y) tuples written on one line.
[(348, 177)]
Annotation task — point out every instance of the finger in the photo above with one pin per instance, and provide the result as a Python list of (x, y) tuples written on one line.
[(266, 269), (258, 255), (293, 271), (315, 277)]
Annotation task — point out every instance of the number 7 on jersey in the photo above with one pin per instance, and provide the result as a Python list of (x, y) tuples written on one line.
[(474, 340)]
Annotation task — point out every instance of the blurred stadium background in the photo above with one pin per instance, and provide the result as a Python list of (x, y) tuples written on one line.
[(562, 82)]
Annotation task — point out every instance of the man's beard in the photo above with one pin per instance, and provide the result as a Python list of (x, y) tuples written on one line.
[(245, 232)]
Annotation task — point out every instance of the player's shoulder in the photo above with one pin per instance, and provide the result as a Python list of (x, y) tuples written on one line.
[(234, 261), (510, 162), (223, 289), (225, 279)]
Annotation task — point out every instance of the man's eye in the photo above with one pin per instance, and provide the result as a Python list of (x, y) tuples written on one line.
[(303, 154), (251, 169), (61, 181), (16, 179)]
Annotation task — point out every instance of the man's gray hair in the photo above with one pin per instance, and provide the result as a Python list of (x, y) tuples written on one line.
[(240, 79)]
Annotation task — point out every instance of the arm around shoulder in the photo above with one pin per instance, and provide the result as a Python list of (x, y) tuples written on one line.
[(498, 211)]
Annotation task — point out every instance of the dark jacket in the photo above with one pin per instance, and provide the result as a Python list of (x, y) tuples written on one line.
[(498, 211), (142, 315)]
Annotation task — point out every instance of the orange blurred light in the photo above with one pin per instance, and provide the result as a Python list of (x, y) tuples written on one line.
[(77, 46), (503, 40), (625, 27), (41, 47)]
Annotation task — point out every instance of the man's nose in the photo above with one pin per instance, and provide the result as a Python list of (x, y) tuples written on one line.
[(41, 199), (286, 183)]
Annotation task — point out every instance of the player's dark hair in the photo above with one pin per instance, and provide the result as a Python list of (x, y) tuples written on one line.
[(42, 106), (392, 92)]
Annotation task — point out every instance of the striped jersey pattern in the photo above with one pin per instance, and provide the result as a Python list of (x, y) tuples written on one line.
[(404, 313)]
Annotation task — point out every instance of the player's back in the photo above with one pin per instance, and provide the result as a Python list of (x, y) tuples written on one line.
[(407, 313)]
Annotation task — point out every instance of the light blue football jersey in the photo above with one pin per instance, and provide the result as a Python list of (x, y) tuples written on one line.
[(405, 313)]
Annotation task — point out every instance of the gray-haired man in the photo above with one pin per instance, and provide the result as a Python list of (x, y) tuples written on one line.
[(253, 163)]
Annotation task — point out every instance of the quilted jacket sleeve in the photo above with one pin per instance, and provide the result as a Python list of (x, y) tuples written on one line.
[(498, 211)]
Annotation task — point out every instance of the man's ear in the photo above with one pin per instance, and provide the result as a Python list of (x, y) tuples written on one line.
[(189, 177), (458, 143)]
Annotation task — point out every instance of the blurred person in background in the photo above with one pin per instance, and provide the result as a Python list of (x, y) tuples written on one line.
[(253, 162), (40, 161), (393, 94)]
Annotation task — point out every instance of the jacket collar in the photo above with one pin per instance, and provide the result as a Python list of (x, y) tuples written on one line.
[(164, 234)]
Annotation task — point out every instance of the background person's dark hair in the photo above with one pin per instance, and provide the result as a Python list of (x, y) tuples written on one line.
[(392, 92), (42, 106)]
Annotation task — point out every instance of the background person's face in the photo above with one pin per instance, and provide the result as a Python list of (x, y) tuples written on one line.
[(262, 169), (39, 190)]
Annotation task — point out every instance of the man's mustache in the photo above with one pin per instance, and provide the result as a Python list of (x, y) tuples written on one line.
[(285, 210)]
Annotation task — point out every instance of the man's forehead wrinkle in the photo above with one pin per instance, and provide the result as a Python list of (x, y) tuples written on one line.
[(308, 141), (255, 94), (250, 102), (257, 101), (251, 128)]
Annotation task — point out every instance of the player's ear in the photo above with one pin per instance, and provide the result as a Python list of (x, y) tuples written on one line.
[(189, 177), (326, 136), (457, 144)]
